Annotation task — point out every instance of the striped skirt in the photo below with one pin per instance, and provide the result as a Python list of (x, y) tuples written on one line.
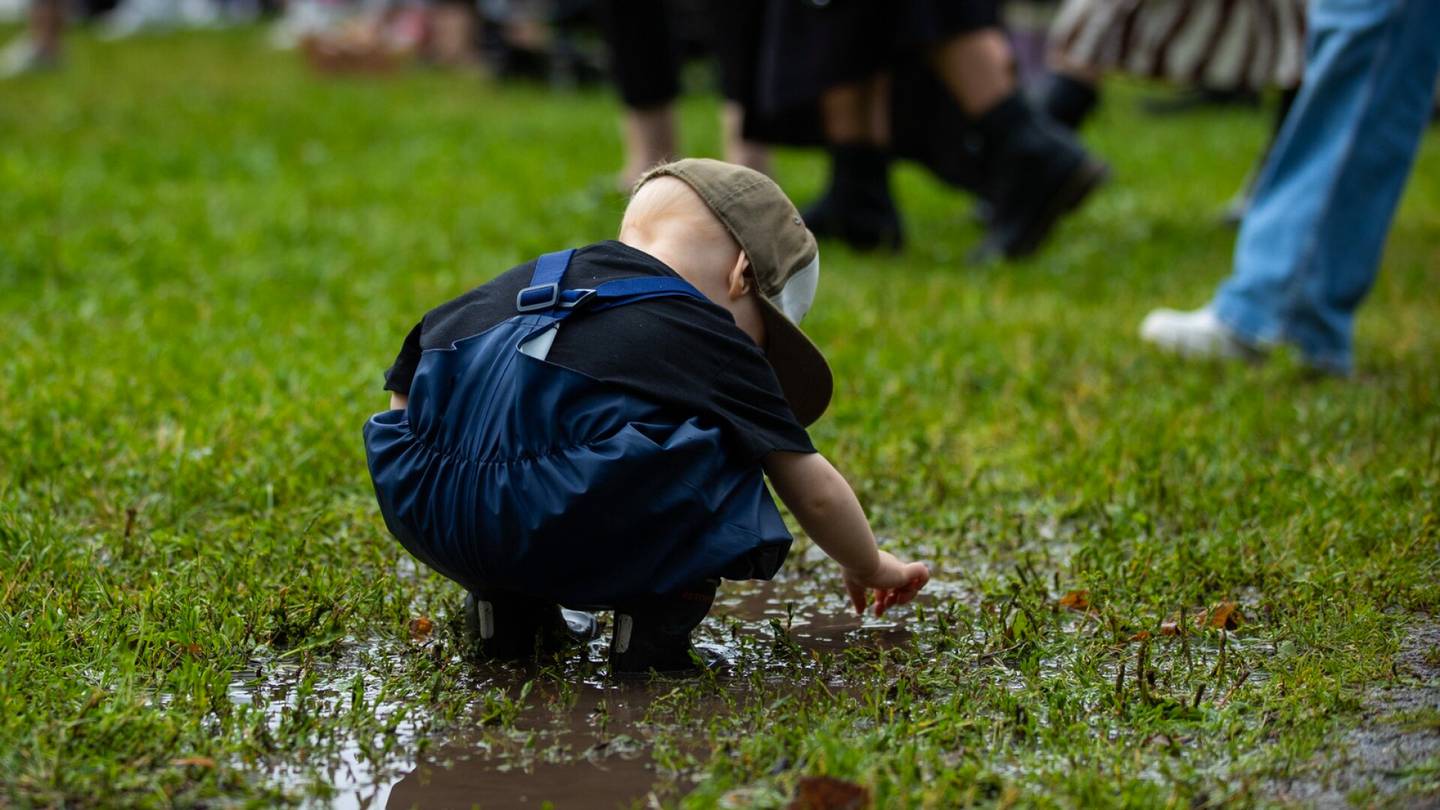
[(1217, 44)]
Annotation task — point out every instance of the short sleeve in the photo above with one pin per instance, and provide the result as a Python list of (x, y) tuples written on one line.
[(747, 399), (399, 376), (690, 356)]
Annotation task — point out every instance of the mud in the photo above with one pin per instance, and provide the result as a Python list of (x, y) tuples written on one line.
[(583, 741), (1391, 758), (592, 753), (594, 747)]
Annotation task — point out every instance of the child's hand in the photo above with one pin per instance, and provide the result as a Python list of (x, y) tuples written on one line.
[(895, 583)]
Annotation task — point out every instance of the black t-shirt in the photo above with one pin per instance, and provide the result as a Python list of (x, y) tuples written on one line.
[(677, 352)]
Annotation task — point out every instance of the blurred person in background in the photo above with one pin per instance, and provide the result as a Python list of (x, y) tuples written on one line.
[(646, 57), (923, 79), (1309, 247), (39, 47), (549, 40), (133, 17), (1222, 49)]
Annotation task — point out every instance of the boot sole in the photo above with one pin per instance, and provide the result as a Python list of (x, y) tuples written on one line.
[(1090, 175)]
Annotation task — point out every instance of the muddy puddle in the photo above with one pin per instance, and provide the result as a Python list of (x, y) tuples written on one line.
[(1391, 758), (580, 740)]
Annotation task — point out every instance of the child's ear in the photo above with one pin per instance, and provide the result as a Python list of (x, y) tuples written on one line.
[(740, 278)]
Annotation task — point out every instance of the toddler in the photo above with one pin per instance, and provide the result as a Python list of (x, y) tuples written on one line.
[(594, 428)]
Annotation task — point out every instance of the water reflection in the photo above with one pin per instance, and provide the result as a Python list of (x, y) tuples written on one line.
[(568, 736), (592, 746)]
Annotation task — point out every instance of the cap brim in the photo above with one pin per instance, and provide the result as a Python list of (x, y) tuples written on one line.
[(804, 375)]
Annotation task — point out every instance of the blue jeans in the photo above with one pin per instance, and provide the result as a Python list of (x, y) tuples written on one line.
[(1309, 248)]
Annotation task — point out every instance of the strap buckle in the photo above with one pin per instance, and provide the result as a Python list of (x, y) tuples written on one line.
[(537, 298), (574, 298)]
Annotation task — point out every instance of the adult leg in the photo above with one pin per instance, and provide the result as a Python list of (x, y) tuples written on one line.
[(1309, 248), (39, 48), (857, 205), (733, 24), (47, 24), (1070, 89), (1037, 171), (645, 62), (738, 148), (1236, 208)]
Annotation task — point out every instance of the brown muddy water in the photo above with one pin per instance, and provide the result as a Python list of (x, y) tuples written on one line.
[(587, 742)]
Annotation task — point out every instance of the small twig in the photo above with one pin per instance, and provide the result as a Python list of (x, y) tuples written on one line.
[(1199, 693), (1185, 645), (1239, 682), (1220, 660), (1140, 670)]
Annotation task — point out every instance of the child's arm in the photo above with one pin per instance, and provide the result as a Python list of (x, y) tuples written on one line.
[(398, 401), (827, 508)]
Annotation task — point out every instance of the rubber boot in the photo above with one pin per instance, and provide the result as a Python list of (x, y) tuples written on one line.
[(857, 208), (1065, 100), (1038, 173), (652, 635), (510, 627)]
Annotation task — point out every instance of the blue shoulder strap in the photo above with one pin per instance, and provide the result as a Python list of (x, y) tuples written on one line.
[(544, 293), (544, 290)]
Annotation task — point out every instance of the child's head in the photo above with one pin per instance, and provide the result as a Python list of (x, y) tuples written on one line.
[(733, 234)]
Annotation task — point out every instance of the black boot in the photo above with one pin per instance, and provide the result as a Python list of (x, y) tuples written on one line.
[(1067, 101), (652, 635), (1038, 173), (510, 627), (857, 208)]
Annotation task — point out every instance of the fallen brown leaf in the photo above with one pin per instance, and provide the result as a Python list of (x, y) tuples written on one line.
[(1224, 615), (1076, 600), (197, 762), (1169, 629), (827, 793), (421, 627), (1143, 635)]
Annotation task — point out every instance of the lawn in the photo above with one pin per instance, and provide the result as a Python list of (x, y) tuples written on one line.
[(208, 255)]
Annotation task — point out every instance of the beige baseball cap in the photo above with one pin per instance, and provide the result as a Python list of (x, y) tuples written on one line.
[(785, 261)]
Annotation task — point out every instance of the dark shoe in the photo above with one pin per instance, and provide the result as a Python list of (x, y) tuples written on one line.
[(1194, 99), (652, 636), (1039, 173), (510, 627), (857, 208), (1065, 100)]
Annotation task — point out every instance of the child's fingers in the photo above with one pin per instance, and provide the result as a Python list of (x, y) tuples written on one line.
[(858, 595), (890, 597), (917, 574), (912, 588), (883, 600)]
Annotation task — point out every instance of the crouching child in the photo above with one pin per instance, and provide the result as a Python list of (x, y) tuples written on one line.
[(594, 428)]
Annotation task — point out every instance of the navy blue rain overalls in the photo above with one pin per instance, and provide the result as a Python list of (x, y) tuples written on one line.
[(507, 471)]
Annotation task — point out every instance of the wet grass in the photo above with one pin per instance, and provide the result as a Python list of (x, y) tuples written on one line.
[(207, 256)]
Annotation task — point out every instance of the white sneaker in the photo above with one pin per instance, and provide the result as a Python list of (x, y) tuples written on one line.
[(23, 56), (1194, 334)]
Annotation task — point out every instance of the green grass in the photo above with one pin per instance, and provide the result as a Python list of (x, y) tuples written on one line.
[(208, 255)]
